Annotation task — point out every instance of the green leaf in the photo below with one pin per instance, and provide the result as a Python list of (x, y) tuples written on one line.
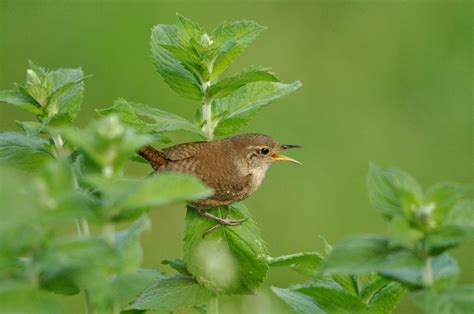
[(129, 246), (201, 308), (445, 271), (16, 98), (188, 29), (412, 271), (358, 255), (331, 297), (171, 293), (121, 289), (462, 216), (76, 253), (38, 92), (174, 72), (189, 59), (67, 92), (229, 260), (348, 282), (393, 192), (23, 151), (364, 254), (244, 31), (306, 263), (31, 128), (56, 94), (86, 261), (177, 264), (367, 285), (126, 287), (20, 298), (59, 196), (106, 144), (299, 302), (59, 280), (444, 238), (147, 119), (457, 300), (402, 234), (232, 83), (230, 40), (38, 71), (444, 196), (386, 299), (134, 196), (19, 212), (238, 108)]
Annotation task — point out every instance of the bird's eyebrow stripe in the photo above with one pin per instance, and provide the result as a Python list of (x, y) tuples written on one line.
[(258, 146)]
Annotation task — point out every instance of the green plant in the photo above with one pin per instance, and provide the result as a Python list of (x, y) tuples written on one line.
[(59, 176), (191, 62), (78, 178), (369, 273), (75, 176)]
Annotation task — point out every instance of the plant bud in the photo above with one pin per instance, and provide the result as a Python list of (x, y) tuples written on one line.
[(32, 78), (424, 214), (206, 41), (111, 128)]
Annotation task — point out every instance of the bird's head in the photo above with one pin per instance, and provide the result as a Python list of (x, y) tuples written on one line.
[(260, 151)]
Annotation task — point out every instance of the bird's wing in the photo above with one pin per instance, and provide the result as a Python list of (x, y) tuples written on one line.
[(182, 151)]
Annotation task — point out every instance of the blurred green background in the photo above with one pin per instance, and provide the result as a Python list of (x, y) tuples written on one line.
[(383, 81)]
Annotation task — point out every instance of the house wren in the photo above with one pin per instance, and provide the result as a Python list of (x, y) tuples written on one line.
[(233, 167)]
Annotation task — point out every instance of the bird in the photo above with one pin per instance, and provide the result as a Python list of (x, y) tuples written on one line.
[(233, 167)]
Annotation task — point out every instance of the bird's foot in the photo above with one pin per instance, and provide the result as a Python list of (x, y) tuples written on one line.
[(232, 222), (221, 221)]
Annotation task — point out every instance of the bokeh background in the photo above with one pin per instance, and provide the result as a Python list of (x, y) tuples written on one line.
[(383, 81)]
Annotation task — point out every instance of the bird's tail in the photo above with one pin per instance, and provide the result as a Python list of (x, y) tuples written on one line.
[(153, 156)]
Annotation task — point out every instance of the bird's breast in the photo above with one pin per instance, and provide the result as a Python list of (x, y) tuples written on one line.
[(256, 178)]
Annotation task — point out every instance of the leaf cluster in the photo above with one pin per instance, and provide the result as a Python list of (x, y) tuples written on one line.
[(191, 62), (335, 293), (376, 269), (74, 177), (60, 176), (54, 97), (230, 260)]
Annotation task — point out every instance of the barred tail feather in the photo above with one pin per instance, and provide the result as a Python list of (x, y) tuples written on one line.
[(153, 156)]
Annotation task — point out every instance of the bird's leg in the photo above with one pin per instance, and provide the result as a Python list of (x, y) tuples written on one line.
[(210, 230), (224, 221), (220, 221)]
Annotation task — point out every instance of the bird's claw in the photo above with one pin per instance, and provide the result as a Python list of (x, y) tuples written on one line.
[(232, 222), (224, 222), (210, 230)]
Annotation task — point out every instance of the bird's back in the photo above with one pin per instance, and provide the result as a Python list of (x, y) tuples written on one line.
[(215, 164)]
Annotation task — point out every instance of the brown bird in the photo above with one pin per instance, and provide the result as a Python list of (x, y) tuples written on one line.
[(233, 167)]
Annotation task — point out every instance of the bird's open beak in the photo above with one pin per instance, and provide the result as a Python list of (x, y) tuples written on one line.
[(288, 146), (278, 157)]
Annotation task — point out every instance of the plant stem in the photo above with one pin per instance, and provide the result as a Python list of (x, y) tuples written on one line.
[(427, 272), (208, 127), (109, 232), (207, 117), (87, 298), (32, 271), (82, 225), (59, 144), (213, 305)]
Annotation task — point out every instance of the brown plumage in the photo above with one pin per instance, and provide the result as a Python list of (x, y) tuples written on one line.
[(233, 167)]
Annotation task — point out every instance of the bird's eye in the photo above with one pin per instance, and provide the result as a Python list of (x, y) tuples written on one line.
[(265, 150)]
